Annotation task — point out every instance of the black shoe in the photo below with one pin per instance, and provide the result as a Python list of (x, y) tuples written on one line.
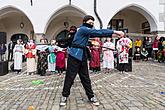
[(94, 101), (63, 101)]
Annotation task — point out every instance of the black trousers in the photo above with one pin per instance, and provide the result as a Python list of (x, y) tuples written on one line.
[(156, 54), (75, 66), (122, 67), (10, 55), (149, 52)]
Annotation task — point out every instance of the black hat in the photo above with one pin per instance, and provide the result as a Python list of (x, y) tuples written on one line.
[(88, 17)]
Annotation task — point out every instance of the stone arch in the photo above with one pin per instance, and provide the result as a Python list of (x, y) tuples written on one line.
[(145, 12), (58, 16), (17, 36), (6, 15)]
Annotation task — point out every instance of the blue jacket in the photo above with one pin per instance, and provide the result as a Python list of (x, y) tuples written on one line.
[(82, 36)]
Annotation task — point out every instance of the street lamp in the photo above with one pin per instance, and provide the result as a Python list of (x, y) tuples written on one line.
[(21, 24), (162, 15), (66, 23)]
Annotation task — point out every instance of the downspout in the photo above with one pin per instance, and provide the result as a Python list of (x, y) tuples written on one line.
[(31, 1), (95, 11)]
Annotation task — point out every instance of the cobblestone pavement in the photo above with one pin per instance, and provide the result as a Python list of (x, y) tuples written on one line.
[(138, 90)]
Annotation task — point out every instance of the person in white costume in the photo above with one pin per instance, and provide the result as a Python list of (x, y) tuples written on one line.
[(108, 56), (123, 46), (18, 52)]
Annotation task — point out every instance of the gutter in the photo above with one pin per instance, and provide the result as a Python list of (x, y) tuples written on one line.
[(95, 11)]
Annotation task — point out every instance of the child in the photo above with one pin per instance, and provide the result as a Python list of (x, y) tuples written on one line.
[(52, 57), (95, 49), (137, 55), (144, 54), (108, 56), (60, 60)]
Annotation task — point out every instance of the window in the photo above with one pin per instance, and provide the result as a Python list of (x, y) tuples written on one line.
[(146, 27), (116, 24)]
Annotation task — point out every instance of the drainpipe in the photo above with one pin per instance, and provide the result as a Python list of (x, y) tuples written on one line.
[(31, 1), (70, 2), (95, 11)]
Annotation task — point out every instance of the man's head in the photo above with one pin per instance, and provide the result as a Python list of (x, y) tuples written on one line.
[(43, 41), (109, 39), (73, 29), (138, 49), (31, 41), (88, 17), (88, 20), (19, 41), (52, 42), (143, 49), (157, 37)]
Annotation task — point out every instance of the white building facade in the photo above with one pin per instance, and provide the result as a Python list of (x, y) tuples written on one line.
[(47, 17)]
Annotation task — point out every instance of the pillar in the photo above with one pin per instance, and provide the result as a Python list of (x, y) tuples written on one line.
[(38, 37)]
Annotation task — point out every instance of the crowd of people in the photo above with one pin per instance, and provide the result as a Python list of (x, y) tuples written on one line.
[(51, 56), (150, 49), (39, 58)]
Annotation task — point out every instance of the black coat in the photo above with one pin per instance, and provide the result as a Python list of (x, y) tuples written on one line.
[(2, 49), (67, 42), (10, 49)]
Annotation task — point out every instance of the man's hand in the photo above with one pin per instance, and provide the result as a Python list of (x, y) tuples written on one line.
[(119, 33)]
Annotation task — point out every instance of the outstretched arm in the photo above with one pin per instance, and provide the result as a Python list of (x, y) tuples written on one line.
[(119, 33), (104, 33)]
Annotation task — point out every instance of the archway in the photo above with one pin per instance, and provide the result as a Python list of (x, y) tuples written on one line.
[(13, 21), (135, 19), (62, 19), (17, 36), (62, 34)]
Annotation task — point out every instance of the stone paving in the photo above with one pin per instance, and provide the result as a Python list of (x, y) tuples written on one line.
[(137, 90)]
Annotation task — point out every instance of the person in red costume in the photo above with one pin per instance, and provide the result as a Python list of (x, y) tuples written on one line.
[(95, 49), (60, 60), (30, 53), (155, 47)]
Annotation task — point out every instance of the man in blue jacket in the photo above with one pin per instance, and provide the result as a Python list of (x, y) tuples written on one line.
[(77, 59)]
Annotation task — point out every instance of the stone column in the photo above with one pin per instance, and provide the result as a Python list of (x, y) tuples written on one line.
[(162, 15), (38, 37)]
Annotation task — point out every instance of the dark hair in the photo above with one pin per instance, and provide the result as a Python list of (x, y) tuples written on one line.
[(44, 39), (105, 40), (88, 17)]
